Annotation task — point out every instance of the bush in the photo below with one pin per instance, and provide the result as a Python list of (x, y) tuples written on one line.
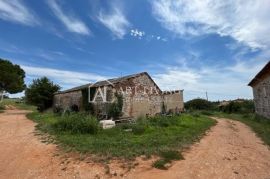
[(78, 123), (199, 104), (41, 92), (115, 109), (246, 106)]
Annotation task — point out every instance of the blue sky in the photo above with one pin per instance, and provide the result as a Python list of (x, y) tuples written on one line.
[(214, 46)]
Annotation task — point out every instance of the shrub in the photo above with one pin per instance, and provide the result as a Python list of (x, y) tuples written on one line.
[(246, 106), (78, 123), (199, 104), (41, 92), (115, 109)]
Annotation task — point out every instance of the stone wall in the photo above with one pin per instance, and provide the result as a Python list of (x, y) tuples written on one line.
[(66, 100), (141, 97), (173, 101), (138, 99), (261, 93)]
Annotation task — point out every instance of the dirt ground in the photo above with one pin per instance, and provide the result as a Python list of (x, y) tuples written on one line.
[(229, 150)]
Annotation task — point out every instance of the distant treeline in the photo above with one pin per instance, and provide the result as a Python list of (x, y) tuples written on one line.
[(234, 106)]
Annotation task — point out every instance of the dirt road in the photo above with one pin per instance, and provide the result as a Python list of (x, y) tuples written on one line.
[(229, 150), (23, 155)]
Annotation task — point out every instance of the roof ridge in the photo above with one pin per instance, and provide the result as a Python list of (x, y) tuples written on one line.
[(260, 74), (112, 80)]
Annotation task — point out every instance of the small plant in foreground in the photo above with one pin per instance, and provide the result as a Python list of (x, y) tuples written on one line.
[(166, 158), (171, 155), (160, 164)]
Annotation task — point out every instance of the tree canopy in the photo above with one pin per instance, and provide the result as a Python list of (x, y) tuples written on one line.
[(40, 93), (11, 77)]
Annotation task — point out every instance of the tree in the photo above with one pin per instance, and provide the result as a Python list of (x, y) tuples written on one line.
[(40, 93), (11, 77)]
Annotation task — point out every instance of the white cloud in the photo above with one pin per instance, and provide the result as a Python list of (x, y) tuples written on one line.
[(220, 82), (115, 21), (246, 21), (65, 78), (16, 11), (72, 23), (136, 32)]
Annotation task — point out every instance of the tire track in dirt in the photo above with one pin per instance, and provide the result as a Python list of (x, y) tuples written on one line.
[(23, 155)]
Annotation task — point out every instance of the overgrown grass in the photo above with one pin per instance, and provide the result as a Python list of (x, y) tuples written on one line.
[(260, 125), (78, 124), (18, 104), (146, 137), (2, 107)]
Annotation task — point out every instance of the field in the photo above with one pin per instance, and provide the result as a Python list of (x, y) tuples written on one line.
[(18, 104), (161, 136)]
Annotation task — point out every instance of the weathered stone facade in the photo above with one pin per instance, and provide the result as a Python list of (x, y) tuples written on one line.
[(261, 91), (65, 100), (141, 96), (173, 101)]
